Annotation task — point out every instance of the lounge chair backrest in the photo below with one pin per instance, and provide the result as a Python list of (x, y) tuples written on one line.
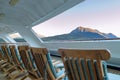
[(23, 51), (39, 54), (84, 64), (15, 57)]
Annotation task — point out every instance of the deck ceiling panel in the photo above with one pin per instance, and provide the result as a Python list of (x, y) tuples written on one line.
[(4, 29), (31, 12)]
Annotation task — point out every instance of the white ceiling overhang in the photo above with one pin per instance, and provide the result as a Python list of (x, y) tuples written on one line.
[(30, 12)]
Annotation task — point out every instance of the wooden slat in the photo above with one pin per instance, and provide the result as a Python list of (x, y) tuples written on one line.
[(42, 63), (87, 70), (70, 67), (39, 60), (31, 68), (81, 70), (93, 68), (100, 69), (75, 69), (1, 55), (91, 54)]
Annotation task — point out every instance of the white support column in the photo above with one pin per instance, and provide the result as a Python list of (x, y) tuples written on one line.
[(29, 35), (7, 38)]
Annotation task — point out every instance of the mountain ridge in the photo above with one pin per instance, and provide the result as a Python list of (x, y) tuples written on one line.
[(81, 33)]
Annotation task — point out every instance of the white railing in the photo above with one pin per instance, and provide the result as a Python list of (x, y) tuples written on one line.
[(112, 45)]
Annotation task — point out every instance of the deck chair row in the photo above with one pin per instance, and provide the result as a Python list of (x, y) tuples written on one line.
[(10, 62), (29, 65), (79, 64)]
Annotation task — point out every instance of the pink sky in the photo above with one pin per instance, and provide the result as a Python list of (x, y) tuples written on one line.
[(103, 15)]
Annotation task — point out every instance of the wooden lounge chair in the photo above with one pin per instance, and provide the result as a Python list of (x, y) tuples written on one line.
[(6, 54), (85, 64), (15, 57), (9, 65), (44, 64), (17, 63), (2, 57), (5, 58), (29, 66)]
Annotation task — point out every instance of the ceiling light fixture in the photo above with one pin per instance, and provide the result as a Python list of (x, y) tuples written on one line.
[(13, 2), (2, 14)]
